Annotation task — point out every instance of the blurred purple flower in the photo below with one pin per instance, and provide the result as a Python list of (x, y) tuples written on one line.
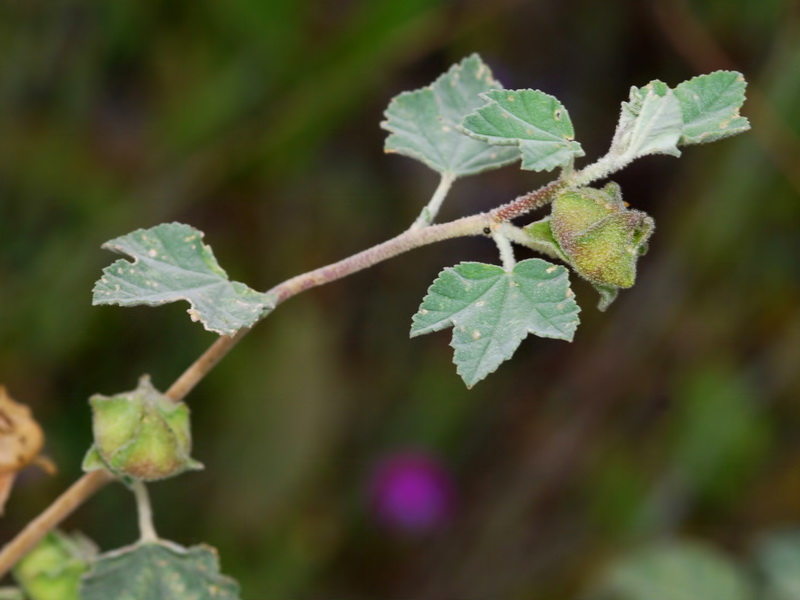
[(412, 492)]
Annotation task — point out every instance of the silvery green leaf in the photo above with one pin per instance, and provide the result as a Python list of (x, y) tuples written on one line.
[(171, 263), (535, 122), (422, 123), (674, 571), (492, 310), (710, 105), (778, 557), (158, 571), (650, 123)]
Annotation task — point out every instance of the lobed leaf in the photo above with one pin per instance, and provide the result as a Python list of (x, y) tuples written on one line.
[(158, 571), (492, 310), (423, 123), (171, 263), (656, 119), (650, 123), (710, 106), (675, 571), (778, 559), (535, 122)]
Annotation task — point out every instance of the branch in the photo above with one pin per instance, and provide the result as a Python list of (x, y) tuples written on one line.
[(480, 224), (61, 508)]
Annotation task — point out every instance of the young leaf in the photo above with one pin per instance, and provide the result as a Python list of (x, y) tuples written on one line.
[(171, 263), (650, 123), (675, 571), (492, 310), (778, 559), (656, 119), (158, 571), (535, 122), (710, 105), (423, 122)]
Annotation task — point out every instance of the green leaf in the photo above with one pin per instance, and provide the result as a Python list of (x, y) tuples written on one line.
[(11, 593), (535, 122), (171, 263), (158, 571), (423, 122), (650, 123), (492, 310), (778, 557), (541, 239), (656, 119), (710, 105), (675, 571)]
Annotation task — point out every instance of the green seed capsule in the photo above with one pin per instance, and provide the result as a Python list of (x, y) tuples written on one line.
[(140, 435), (599, 235), (52, 569)]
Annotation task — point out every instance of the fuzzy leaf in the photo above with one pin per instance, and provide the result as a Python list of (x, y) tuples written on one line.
[(778, 558), (171, 263), (676, 571), (158, 571), (422, 123), (492, 310), (650, 123), (710, 106), (535, 122)]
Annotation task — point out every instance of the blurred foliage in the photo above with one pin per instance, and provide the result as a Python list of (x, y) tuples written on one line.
[(675, 413), (682, 570)]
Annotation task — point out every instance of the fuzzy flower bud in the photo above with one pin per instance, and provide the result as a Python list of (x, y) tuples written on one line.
[(140, 435), (599, 235), (52, 570)]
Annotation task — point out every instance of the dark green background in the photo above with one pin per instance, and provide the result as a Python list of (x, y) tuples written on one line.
[(674, 413)]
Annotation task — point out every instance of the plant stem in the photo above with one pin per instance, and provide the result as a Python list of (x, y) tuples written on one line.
[(524, 204), (195, 373), (430, 211), (480, 224), (147, 532), (410, 239), (62, 507), (517, 235), (506, 251), (604, 167)]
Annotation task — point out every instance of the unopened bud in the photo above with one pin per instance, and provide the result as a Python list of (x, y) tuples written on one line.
[(52, 570), (140, 435), (599, 235)]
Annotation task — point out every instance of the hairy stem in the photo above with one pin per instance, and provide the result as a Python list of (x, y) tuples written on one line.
[(430, 211), (506, 251), (480, 224), (147, 531), (413, 238), (524, 204), (61, 508), (517, 235), (195, 373)]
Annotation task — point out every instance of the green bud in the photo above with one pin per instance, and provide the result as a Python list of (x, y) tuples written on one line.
[(140, 435), (53, 569), (599, 235)]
